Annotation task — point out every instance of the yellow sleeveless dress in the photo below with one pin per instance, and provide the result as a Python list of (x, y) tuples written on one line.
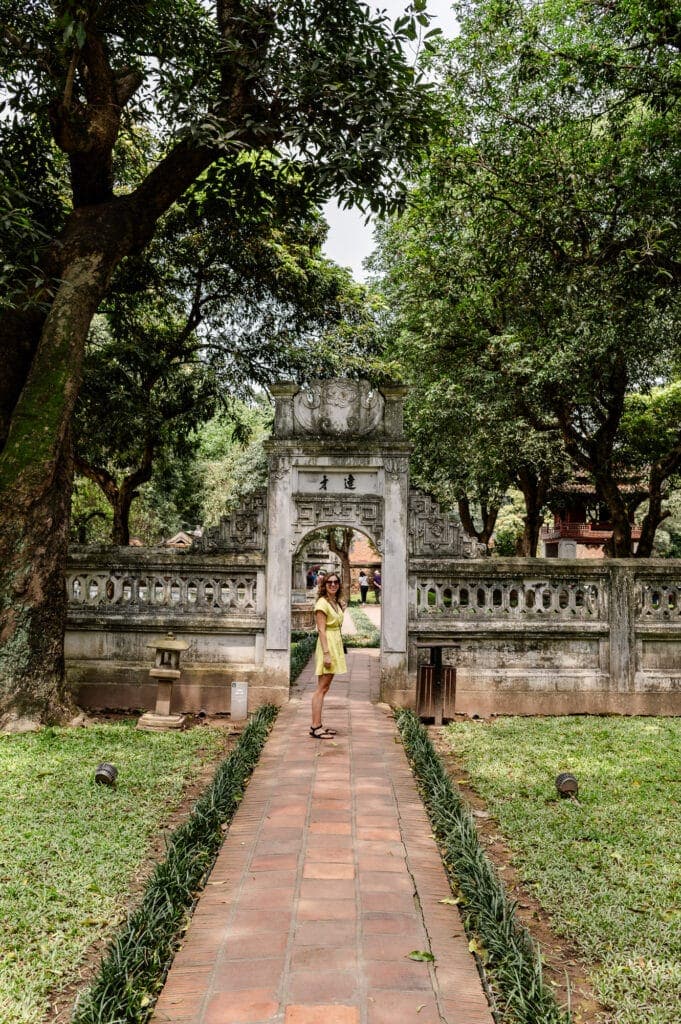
[(334, 621)]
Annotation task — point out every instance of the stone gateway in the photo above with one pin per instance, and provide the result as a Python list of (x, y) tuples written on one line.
[(525, 636)]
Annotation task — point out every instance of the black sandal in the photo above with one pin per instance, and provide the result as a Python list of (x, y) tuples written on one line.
[(319, 732), (332, 732)]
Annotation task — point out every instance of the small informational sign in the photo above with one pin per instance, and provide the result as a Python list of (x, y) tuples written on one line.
[(239, 705)]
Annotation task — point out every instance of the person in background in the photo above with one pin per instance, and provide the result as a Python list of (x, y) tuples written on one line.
[(363, 585), (377, 584), (329, 653)]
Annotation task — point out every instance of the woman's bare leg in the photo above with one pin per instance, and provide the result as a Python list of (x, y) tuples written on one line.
[(323, 684)]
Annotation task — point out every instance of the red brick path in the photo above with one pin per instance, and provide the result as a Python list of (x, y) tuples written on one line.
[(328, 879)]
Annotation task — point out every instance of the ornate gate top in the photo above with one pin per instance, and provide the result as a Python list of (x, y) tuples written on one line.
[(338, 408)]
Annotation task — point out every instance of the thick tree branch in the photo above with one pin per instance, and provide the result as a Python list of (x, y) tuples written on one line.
[(127, 85), (143, 472), (40, 56), (98, 474)]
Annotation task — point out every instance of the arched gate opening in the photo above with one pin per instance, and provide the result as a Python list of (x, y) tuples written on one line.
[(313, 554)]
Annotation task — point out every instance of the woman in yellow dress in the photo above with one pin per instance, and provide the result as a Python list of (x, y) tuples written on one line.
[(329, 654)]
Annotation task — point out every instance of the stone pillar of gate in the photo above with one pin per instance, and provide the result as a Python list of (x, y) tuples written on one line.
[(338, 457), (279, 547), (394, 677)]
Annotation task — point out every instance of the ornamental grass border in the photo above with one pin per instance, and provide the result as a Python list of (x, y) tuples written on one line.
[(135, 964), (512, 958), (303, 643)]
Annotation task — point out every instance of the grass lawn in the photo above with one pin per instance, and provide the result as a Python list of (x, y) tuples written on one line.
[(70, 849), (367, 635), (607, 869)]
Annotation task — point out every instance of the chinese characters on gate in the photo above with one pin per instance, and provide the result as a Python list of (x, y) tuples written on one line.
[(348, 482)]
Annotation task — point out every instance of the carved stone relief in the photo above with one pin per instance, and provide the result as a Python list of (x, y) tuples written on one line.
[(241, 530), (313, 511), (318, 463), (433, 532), (396, 465), (279, 465), (339, 408)]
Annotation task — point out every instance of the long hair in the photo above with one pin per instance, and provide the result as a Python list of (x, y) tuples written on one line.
[(322, 592)]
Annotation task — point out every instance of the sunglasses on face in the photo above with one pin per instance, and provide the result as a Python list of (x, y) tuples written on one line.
[(333, 583)]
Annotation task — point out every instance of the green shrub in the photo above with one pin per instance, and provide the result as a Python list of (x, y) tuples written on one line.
[(303, 644)]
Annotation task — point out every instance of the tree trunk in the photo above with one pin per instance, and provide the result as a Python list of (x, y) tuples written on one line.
[(36, 477), (120, 529), (81, 525), (342, 549), (594, 452), (125, 495), (619, 545), (528, 543), (33, 604), (120, 497), (534, 487), (655, 515), (489, 515), (20, 332)]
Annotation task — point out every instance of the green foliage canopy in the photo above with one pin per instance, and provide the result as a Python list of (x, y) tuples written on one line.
[(538, 269), (232, 291)]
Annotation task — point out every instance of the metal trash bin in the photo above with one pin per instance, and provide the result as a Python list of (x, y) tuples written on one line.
[(436, 685)]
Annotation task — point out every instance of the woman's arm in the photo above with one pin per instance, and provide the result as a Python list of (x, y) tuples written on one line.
[(320, 618)]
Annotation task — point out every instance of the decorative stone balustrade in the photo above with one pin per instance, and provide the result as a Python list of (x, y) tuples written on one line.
[(186, 594), (122, 599), (551, 636), (139, 582), (555, 599), (657, 601)]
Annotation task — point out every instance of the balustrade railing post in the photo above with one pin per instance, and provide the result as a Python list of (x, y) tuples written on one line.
[(622, 639)]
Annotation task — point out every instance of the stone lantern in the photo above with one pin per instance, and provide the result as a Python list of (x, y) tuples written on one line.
[(165, 671)]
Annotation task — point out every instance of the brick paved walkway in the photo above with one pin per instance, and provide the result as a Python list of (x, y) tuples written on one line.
[(328, 878)]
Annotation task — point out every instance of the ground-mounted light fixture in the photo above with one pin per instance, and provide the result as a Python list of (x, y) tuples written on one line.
[(165, 671), (567, 785), (106, 774)]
